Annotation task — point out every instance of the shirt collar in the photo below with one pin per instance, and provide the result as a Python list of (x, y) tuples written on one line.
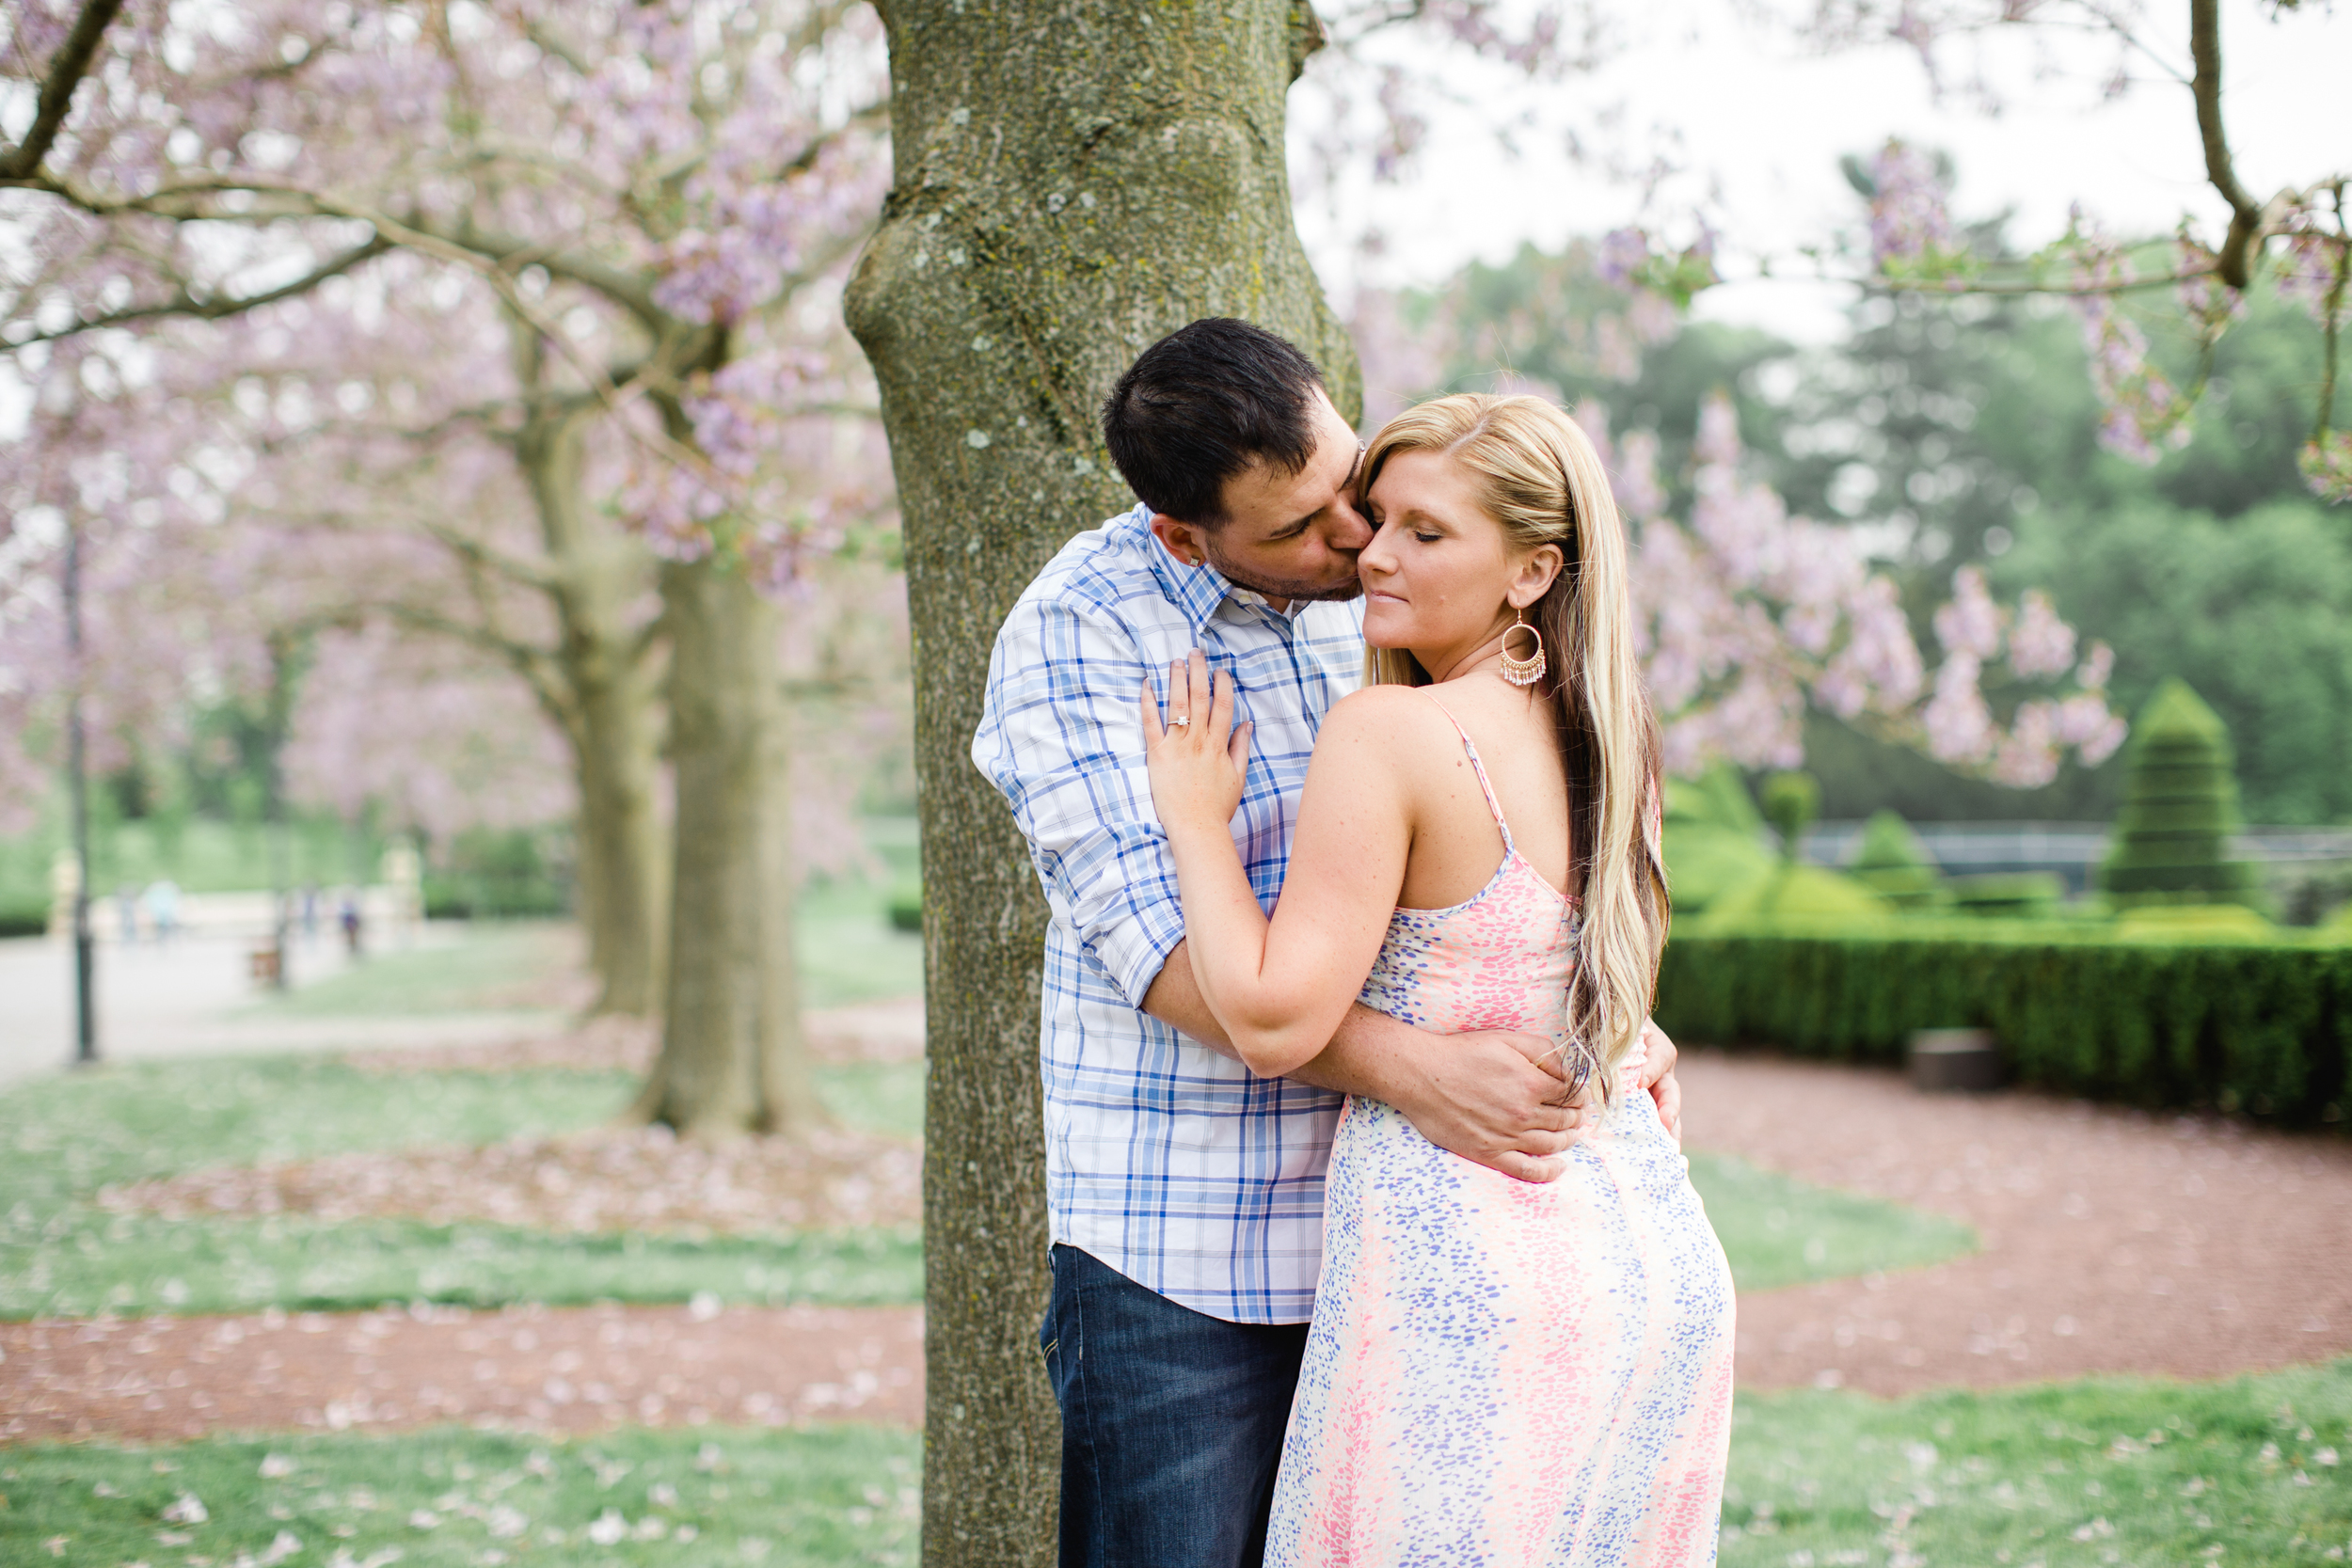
[(1195, 590)]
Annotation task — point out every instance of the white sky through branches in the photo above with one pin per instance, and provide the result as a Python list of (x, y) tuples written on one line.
[(1761, 122)]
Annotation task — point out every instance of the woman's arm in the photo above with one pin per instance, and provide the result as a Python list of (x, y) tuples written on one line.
[(1281, 988)]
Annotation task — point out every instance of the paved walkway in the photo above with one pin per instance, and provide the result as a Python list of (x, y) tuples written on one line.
[(194, 997)]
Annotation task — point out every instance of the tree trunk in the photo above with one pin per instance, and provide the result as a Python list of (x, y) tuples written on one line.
[(610, 717), (1076, 179), (732, 1056)]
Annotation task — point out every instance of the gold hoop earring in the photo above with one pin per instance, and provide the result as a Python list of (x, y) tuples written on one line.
[(1528, 671)]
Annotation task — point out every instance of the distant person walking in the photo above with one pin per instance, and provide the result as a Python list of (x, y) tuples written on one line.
[(351, 922), (163, 910)]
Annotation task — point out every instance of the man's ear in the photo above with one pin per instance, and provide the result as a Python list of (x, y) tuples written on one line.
[(1534, 577), (1187, 542)]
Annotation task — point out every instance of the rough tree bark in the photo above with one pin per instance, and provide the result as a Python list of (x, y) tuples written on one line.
[(732, 1055), (1075, 179)]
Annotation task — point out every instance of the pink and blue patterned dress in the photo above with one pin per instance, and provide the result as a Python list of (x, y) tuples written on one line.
[(1499, 1374)]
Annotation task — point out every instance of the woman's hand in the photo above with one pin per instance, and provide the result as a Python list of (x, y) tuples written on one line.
[(1199, 758)]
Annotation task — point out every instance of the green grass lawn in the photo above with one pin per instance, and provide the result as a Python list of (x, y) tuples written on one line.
[(2145, 1472), (63, 1138), (2082, 1475), (1778, 1230), (487, 966), (453, 1498), (849, 952)]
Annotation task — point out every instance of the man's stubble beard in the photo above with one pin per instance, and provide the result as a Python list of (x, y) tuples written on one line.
[(1274, 587)]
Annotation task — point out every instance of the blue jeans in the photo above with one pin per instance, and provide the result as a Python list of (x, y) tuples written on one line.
[(1171, 1422)]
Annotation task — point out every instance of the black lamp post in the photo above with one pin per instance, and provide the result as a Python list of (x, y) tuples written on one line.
[(77, 772)]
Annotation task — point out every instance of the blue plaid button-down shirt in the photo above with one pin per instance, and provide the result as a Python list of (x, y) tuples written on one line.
[(1174, 1164)]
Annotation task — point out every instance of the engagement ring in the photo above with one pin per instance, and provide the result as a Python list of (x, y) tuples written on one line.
[(1178, 723)]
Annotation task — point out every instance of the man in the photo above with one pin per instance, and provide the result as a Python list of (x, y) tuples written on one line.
[(1185, 1195)]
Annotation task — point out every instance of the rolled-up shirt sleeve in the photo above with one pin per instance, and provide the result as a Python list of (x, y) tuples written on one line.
[(1061, 738)]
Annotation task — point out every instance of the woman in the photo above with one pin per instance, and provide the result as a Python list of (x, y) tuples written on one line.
[(1497, 1373)]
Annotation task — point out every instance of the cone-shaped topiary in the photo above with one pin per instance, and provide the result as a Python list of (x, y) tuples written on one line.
[(1892, 863), (1791, 801), (2171, 843)]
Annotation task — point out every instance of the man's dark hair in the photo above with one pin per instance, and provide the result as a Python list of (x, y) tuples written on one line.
[(1203, 403)]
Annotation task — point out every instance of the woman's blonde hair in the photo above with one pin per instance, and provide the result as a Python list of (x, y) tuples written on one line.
[(1538, 476)]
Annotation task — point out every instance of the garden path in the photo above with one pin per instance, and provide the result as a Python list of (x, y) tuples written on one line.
[(194, 997), (579, 1368), (2114, 1241)]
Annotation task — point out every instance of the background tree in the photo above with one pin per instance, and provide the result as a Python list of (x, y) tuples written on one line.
[(658, 195)]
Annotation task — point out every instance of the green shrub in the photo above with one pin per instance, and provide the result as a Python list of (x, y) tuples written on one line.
[(906, 908), (2192, 922), (2180, 804), (2008, 894), (1794, 892), (1713, 839), (2257, 1025), (496, 874), (1791, 801), (1891, 862)]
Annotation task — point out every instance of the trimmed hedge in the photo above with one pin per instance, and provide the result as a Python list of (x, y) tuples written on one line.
[(2238, 1025)]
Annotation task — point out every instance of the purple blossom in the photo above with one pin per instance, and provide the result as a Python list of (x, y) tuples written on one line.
[(1622, 255), (2140, 408), (1908, 219)]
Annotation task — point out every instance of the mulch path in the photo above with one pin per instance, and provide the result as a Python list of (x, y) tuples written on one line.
[(530, 1369), (2114, 1241)]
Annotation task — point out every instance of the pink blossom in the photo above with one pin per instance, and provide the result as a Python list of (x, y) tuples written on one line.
[(1971, 622), (2141, 409), (1908, 220), (2040, 644)]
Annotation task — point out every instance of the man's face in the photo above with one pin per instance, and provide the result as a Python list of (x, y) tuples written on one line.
[(1288, 537)]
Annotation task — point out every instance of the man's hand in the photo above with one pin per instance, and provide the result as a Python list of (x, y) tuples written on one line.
[(1657, 1077), (1493, 1098)]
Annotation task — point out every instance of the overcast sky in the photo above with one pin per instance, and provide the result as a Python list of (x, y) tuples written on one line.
[(1764, 121)]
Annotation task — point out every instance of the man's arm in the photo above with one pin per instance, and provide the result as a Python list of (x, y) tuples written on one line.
[(1491, 1097)]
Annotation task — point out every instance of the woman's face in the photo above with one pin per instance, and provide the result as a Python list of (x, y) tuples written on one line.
[(1438, 569)]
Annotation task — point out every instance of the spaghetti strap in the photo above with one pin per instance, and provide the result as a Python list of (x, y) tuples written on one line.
[(1486, 786)]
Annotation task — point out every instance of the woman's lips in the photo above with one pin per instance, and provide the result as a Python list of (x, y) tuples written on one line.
[(1378, 594)]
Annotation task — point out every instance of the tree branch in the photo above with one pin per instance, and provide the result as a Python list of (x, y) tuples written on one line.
[(189, 305), (58, 87), (523, 574), (2234, 262)]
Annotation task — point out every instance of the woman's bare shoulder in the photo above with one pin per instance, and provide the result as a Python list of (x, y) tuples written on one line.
[(1385, 713), (1387, 737)]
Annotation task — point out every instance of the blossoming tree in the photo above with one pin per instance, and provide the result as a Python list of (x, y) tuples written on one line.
[(655, 201)]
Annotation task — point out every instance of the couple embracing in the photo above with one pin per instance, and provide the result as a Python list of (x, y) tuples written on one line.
[(1372, 1242)]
